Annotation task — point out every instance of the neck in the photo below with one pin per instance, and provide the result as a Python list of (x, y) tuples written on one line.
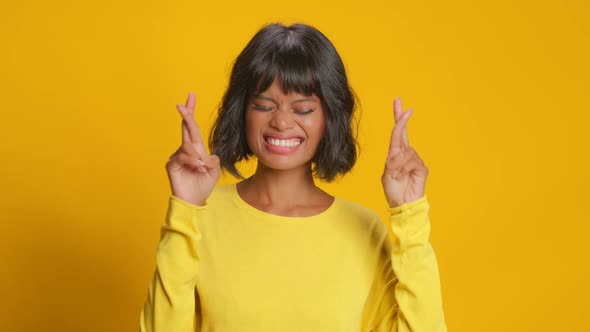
[(284, 192), (280, 187)]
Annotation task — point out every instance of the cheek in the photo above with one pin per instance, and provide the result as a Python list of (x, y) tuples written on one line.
[(253, 125), (316, 126), (249, 128), (250, 122)]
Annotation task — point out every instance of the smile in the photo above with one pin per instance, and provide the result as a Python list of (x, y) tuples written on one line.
[(290, 143)]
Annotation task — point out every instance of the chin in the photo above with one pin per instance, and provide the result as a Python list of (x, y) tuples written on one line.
[(284, 163)]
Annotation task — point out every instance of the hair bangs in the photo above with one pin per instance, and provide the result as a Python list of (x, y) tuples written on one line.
[(294, 71)]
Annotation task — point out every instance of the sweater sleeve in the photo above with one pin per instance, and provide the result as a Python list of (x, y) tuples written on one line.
[(406, 293), (170, 303)]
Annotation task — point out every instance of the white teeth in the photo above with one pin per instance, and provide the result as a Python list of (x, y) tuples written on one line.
[(284, 142)]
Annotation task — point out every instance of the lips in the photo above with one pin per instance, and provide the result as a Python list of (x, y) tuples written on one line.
[(290, 142), (282, 144)]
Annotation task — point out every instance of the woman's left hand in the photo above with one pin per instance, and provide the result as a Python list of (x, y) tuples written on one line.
[(404, 177)]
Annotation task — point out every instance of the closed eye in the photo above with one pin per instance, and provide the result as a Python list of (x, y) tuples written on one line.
[(260, 108), (305, 112)]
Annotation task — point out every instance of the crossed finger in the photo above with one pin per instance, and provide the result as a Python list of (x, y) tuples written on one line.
[(397, 112), (190, 129), (399, 136)]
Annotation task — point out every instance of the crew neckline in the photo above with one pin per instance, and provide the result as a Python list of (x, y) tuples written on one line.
[(275, 217)]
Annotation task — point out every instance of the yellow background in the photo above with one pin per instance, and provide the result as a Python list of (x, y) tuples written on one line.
[(500, 97)]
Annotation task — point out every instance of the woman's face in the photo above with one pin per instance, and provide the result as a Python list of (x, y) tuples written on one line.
[(284, 130)]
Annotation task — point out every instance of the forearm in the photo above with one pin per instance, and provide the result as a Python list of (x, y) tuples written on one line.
[(418, 291), (170, 304)]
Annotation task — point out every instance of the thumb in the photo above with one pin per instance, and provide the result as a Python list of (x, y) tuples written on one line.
[(212, 162)]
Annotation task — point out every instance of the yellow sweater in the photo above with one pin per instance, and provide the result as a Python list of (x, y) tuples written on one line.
[(228, 266)]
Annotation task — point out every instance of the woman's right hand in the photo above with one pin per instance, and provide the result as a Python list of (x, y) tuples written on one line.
[(192, 172)]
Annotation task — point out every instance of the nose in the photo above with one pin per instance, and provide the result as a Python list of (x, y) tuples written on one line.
[(281, 120)]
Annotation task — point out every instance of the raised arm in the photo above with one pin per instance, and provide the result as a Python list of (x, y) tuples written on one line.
[(170, 303), (405, 294)]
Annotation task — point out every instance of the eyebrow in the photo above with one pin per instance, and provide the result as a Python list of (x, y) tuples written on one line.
[(261, 96)]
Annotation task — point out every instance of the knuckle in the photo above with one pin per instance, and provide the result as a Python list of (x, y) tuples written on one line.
[(183, 158), (399, 156), (388, 165), (395, 161), (392, 165)]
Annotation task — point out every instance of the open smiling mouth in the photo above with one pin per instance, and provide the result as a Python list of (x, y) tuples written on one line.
[(289, 143)]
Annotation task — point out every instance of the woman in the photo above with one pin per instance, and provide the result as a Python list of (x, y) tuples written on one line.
[(274, 252)]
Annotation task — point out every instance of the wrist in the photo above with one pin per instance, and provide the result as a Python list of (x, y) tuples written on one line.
[(193, 202), (393, 205)]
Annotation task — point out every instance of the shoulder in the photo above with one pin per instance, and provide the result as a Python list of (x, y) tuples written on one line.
[(355, 209), (222, 193), (357, 213), (363, 222)]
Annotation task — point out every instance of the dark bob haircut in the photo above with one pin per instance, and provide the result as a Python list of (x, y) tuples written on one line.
[(306, 62)]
